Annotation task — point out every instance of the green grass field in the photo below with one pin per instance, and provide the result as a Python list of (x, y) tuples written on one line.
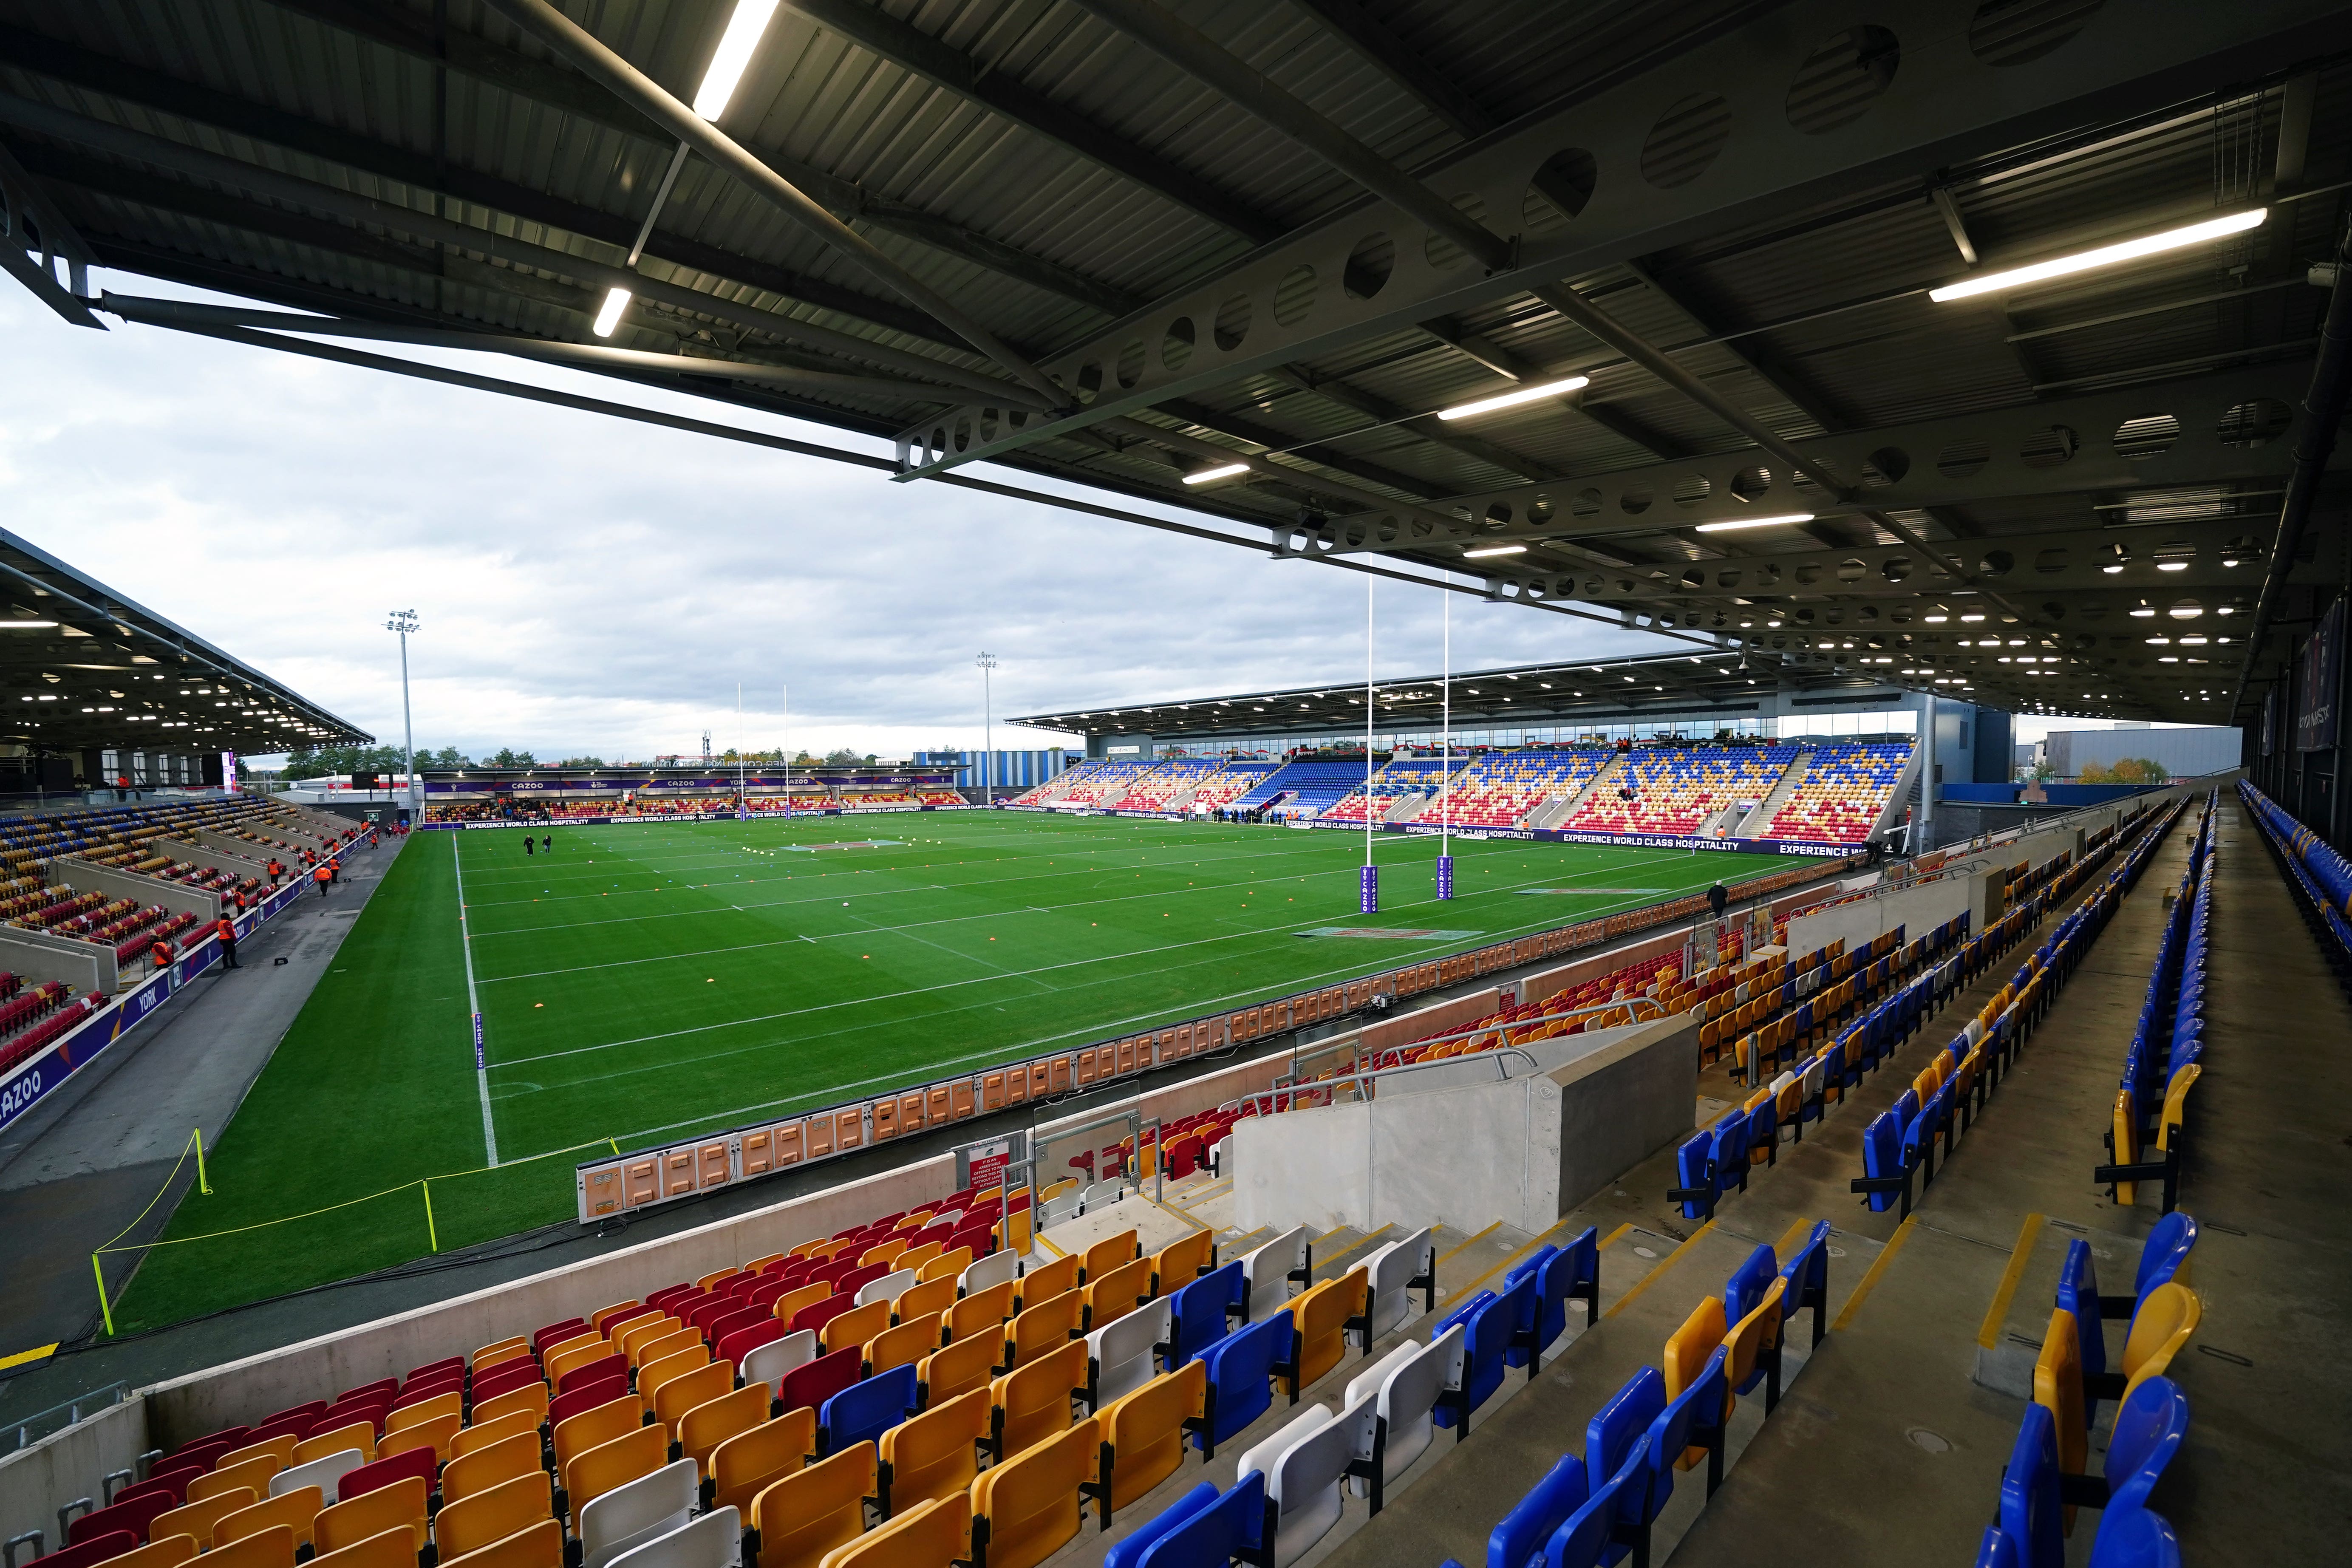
[(643, 982)]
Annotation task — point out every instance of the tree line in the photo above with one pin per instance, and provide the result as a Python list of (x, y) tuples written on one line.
[(325, 761)]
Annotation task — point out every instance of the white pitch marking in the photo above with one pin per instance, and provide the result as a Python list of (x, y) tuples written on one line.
[(474, 1006)]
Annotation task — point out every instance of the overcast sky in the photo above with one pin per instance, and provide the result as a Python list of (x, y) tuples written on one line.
[(596, 585)]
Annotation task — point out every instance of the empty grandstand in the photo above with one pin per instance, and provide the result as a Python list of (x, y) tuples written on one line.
[(1400, 779), (1506, 789), (1844, 794), (1683, 790)]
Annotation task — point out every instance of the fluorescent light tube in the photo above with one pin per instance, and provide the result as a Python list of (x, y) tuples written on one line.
[(734, 56), (2104, 255), (1512, 399), (1486, 550), (1755, 522), (608, 314), (1223, 471)]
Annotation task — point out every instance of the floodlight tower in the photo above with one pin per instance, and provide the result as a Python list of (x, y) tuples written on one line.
[(986, 662), (405, 622)]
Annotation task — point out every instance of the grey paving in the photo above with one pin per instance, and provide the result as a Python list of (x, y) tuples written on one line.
[(90, 1159)]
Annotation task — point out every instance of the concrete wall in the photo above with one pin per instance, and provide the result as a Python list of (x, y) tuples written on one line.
[(1466, 1153), (90, 877), (1919, 909), (84, 966), (39, 1479)]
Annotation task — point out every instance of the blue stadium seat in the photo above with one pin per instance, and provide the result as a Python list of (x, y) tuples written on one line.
[(1239, 1367), (1616, 1451), (2032, 1515), (2135, 1538), (1808, 1274), (1216, 1533), (1486, 1320), (1519, 1541), (1128, 1553), (865, 1410), (1201, 1312), (1561, 1274)]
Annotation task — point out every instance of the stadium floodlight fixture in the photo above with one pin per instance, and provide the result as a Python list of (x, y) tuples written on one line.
[(1514, 398), (2114, 255), (1222, 471), (733, 56), (26, 626), (608, 314), (1486, 550), (1755, 522)]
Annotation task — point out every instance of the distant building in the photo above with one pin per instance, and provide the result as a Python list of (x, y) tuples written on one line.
[(2188, 752)]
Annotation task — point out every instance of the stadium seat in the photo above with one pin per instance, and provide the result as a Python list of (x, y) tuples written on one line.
[(1487, 1320), (1405, 1388), (493, 1514), (1322, 1316), (377, 1513), (1239, 1368), (1027, 1508), (934, 1455), (197, 1518), (1201, 1312), (1394, 1272), (271, 1548), (676, 1396), (1143, 1436), (538, 1546), (1519, 1539), (742, 1466), (817, 1381), (1120, 1354), (798, 1519), (391, 1549), (866, 1409), (1032, 1401), (957, 1368), (1043, 1327), (590, 1475), (1306, 1477), (480, 1470), (770, 1363), (649, 1507), (386, 1472), (253, 1475), (130, 1514)]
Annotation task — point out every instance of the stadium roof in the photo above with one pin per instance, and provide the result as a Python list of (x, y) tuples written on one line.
[(1128, 244), (81, 666), (1663, 688)]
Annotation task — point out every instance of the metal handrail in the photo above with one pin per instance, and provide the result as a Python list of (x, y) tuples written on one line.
[(21, 1431), (1360, 1080)]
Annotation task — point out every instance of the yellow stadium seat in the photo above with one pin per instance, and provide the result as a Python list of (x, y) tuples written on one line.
[(981, 1314), (540, 1546), (1754, 1338), (932, 1534), (1043, 1327), (1048, 1280), (661, 1347), (360, 1435), (391, 1549), (792, 1302), (603, 1315), (292, 1510), (489, 1466), (1143, 1434), (745, 1464), (1116, 1293), (196, 1519), (2159, 1328), (934, 1295), (491, 1515), (1032, 1401), (2058, 1386), (802, 1517), (161, 1551), (936, 1454), (1319, 1318), (634, 1337), (252, 1475), (270, 1547), (674, 1396), (1110, 1252), (946, 1265), (575, 1435), (400, 1506), (914, 1258), (601, 1468), (703, 1429), (531, 1399), (1178, 1263), (882, 1252), (904, 1344), (1026, 1508), (957, 1368), (853, 1327), (279, 1448), (437, 1434), (483, 1433), (1686, 1355), (423, 1412)]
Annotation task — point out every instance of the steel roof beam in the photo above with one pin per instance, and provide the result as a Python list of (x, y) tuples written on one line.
[(543, 83), (592, 55), (1996, 454), (1944, 105), (180, 158), (1348, 21), (911, 50)]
